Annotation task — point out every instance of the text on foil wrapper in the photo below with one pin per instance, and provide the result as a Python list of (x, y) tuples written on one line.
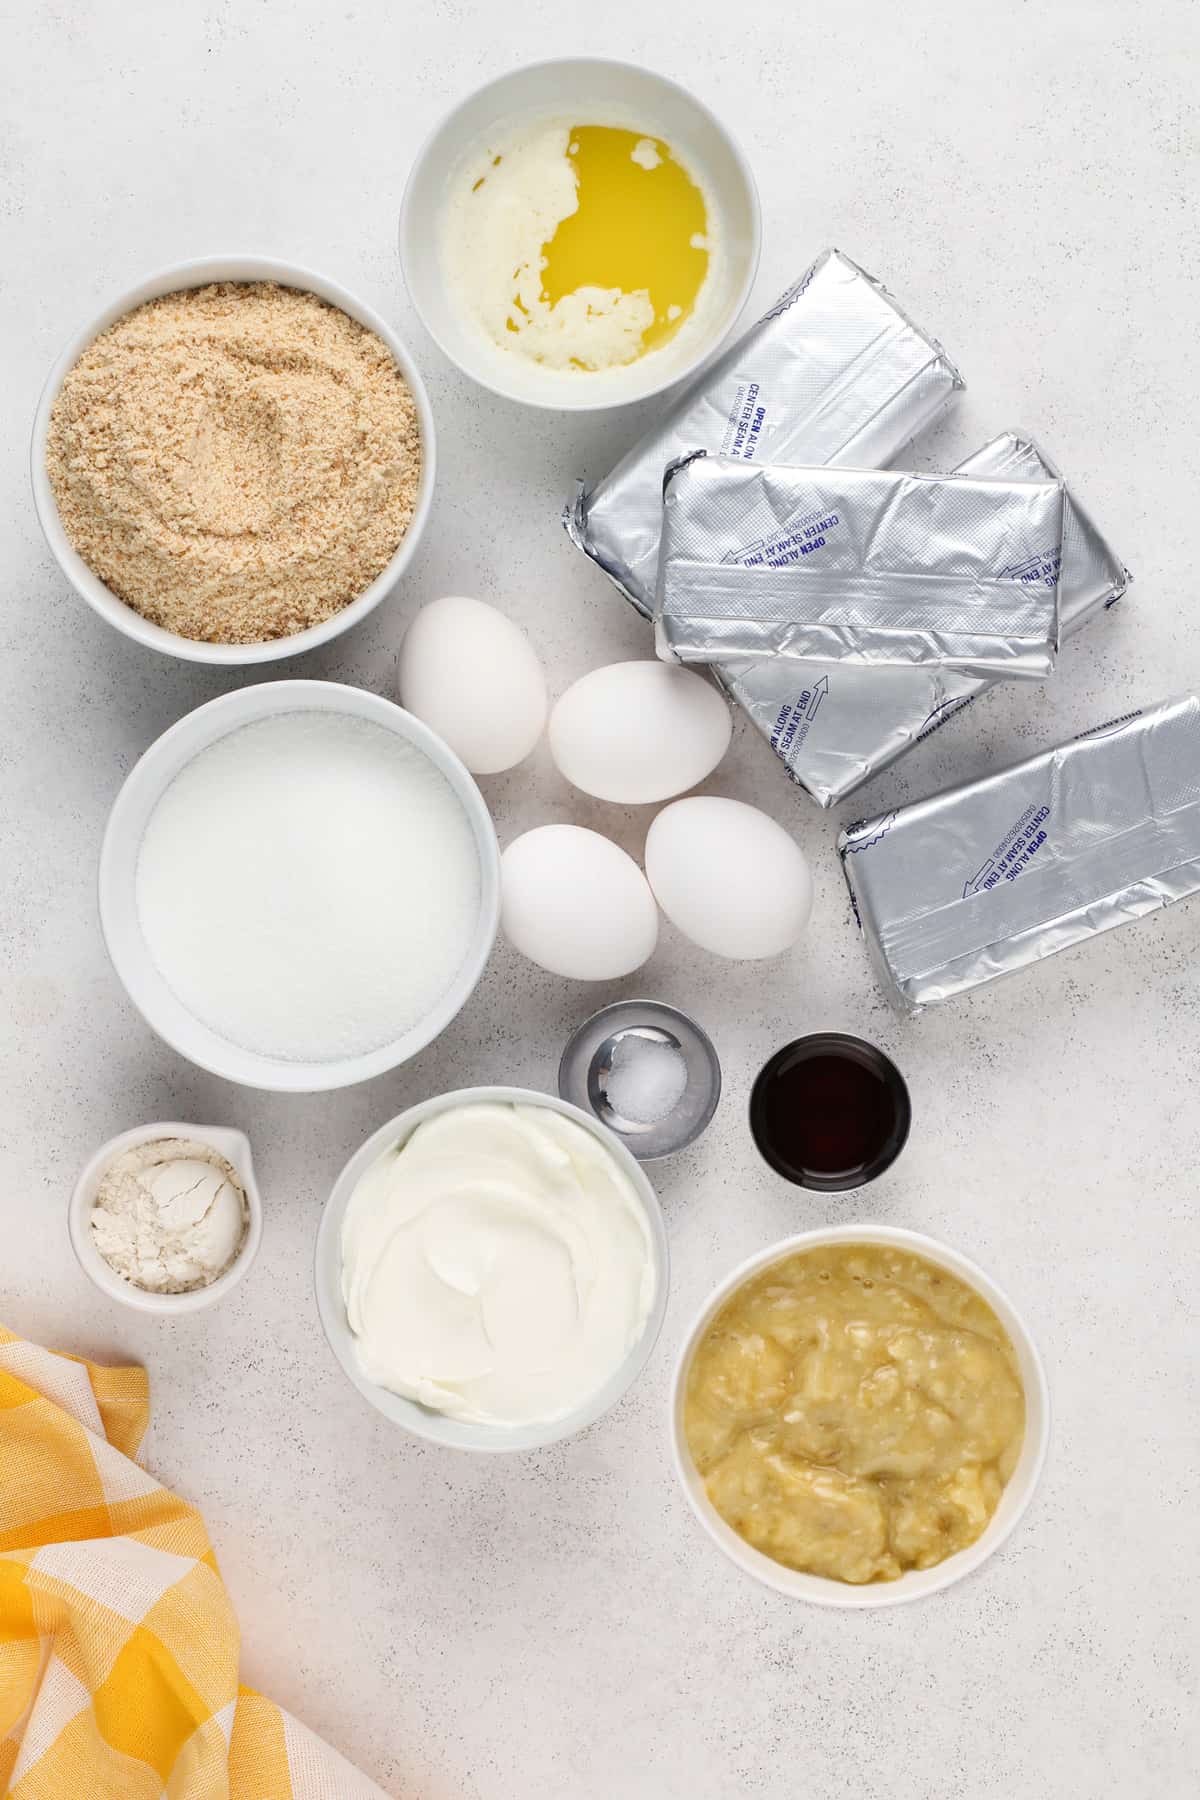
[(1043, 567), (1013, 854), (779, 552), (746, 420), (796, 717)]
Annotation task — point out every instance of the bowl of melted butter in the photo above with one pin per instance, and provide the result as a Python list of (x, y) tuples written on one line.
[(859, 1416), (579, 234)]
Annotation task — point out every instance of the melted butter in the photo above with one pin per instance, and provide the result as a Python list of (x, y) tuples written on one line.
[(640, 226)]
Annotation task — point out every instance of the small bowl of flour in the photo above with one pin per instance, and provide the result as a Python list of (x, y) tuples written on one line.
[(167, 1218)]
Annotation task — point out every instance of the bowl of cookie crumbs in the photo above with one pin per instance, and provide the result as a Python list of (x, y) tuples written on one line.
[(235, 461)]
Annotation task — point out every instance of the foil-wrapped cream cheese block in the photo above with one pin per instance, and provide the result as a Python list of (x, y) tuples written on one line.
[(834, 373), (835, 726), (985, 878), (859, 566)]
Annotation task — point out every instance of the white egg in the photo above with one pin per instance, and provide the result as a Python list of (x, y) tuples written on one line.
[(473, 677), (574, 903), (635, 732), (729, 877)]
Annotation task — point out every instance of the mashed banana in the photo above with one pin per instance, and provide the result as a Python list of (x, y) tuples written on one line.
[(855, 1411)]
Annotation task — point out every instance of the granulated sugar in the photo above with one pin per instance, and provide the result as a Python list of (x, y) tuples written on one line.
[(309, 886)]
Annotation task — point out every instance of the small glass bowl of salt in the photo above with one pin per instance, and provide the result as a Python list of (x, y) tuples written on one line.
[(646, 1071)]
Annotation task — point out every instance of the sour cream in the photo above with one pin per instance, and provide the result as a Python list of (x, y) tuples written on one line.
[(497, 1266)]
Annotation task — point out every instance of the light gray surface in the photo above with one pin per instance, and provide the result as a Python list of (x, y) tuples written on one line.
[(555, 1628)]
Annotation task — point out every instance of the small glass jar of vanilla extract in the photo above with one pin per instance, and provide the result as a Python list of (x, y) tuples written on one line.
[(830, 1112)]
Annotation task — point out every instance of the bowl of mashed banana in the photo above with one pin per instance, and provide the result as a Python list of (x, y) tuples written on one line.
[(859, 1416)]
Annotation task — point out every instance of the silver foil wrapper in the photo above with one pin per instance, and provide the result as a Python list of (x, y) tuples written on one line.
[(983, 879), (836, 727), (834, 373), (859, 566)]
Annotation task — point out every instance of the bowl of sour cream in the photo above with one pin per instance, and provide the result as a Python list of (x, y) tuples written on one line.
[(492, 1269), (579, 234)]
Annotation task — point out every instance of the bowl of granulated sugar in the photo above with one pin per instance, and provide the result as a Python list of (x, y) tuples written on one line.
[(235, 461), (299, 886)]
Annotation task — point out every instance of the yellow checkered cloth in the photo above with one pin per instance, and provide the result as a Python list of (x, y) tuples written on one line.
[(118, 1643)]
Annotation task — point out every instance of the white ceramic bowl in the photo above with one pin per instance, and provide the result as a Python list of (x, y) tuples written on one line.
[(611, 92), (914, 1583), (100, 597), (127, 822), (434, 1427), (234, 1146)]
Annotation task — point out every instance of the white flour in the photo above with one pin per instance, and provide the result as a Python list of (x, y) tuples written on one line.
[(309, 886), (170, 1215)]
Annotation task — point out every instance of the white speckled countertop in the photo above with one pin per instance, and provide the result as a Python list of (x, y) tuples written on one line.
[(553, 1627)]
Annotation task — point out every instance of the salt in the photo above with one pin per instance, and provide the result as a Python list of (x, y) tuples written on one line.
[(309, 886), (647, 1079)]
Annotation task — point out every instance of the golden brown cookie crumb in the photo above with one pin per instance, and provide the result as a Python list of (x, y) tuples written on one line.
[(236, 462)]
